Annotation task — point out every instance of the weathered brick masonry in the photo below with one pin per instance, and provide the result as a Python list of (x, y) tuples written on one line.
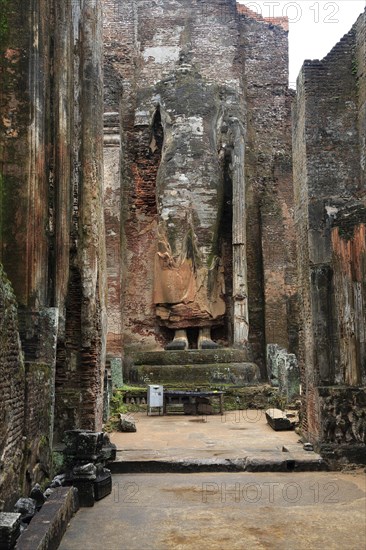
[(51, 226), (12, 387), (329, 181), (271, 255)]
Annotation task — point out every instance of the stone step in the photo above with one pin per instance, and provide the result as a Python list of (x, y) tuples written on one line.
[(240, 374), (251, 462), (188, 357)]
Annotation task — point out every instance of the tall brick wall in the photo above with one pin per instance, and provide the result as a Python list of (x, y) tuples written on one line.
[(79, 226), (301, 220), (12, 386), (271, 244), (329, 152), (348, 262), (52, 242), (23, 154), (27, 390)]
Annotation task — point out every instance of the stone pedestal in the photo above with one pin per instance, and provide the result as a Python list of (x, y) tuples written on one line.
[(206, 367), (86, 454), (83, 478)]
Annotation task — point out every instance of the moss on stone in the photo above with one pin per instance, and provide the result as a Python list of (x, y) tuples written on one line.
[(4, 22), (58, 465), (9, 317), (9, 202)]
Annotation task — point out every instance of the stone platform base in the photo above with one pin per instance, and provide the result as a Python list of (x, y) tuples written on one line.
[(187, 357), (241, 374), (220, 366), (338, 455)]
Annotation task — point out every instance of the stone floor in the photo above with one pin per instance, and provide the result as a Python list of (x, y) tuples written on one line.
[(225, 511), (238, 440), (217, 509)]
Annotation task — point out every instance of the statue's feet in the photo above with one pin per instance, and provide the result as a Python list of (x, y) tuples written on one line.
[(180, 341), (208, 344), (205, 341)]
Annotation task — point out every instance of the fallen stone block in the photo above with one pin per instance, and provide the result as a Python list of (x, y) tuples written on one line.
[(103, 484), (48, 492), (109, 450), (84, 471), (58, 481), (37, 495), (9, 529), (126, 423), (83, 444), (86, 493), (26, 507), (278, 420)]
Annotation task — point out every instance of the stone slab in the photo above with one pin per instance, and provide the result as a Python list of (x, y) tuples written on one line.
[(126, 423), (188, 357), (278, 420), (283, 371), (240, 374)]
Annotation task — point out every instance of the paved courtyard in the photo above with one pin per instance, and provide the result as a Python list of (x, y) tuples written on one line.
[(218, 510), (236, 439), (225, 511)]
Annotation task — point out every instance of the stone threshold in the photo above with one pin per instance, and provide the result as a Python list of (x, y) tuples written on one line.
[(271, 462)]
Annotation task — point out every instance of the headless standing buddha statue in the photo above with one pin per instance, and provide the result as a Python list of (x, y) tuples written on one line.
[(189, 278)]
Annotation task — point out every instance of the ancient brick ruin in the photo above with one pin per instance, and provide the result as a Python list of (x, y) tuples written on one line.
[(329, 128), (196, 92), (52, 232)]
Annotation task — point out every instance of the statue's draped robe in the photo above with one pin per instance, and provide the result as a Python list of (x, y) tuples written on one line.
[(189, 281)]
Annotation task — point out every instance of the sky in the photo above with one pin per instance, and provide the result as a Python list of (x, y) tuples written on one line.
[(315, 26)]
